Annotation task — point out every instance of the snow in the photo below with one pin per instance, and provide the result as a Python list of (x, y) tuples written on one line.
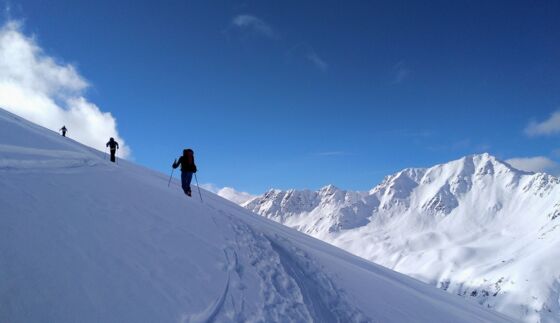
[(475, 227), (86, 240)]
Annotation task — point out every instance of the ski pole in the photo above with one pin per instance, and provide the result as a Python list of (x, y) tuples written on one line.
[(198, 186), (117, 156), (170, 176)]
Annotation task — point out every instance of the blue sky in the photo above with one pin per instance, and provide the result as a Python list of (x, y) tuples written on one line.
[(299, 94)]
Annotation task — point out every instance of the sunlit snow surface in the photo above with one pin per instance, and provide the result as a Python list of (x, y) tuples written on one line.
[(85, 240), (475, 227)]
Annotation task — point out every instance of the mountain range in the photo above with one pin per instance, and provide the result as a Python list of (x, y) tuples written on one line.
[(475, 227)]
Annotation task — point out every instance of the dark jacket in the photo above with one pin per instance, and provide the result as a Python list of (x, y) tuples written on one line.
[(186, 166), (113, 144)]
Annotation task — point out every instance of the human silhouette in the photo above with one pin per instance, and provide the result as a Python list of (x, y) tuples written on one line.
[(64, 130), (113, 146), (188, 168)]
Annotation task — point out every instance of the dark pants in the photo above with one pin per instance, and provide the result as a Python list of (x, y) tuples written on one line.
[(64, 134), (186, 178), (113, 151)]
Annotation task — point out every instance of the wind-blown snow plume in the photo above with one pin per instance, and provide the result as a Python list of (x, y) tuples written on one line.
[(37, 87)]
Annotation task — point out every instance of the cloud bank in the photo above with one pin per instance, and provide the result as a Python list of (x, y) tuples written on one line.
[(535, 164), (35, 86), (549, 126), (229, 193)]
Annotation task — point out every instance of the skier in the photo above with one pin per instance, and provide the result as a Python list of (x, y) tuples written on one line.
[(188, 168), (113, 146), (64, 130)]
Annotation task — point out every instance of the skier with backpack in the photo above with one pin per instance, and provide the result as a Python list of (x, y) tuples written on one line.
[(113, 146), (64, 130), (188, 168)]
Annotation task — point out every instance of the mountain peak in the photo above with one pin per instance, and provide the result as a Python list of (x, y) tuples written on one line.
[(482, 158), (485, 164), (329, 189)]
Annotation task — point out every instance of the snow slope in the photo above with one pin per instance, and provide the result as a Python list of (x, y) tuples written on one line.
[(475, 227), (85, 240)]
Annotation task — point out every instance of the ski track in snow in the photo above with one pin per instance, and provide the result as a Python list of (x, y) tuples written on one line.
[(210, 313), (23, 159), (293, 290)]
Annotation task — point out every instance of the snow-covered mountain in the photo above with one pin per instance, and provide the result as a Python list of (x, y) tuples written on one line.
[(86, 240), (475, 227)]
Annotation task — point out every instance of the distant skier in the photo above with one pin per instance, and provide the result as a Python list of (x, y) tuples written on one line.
[(113, 146), (188, 168), (64, 130)]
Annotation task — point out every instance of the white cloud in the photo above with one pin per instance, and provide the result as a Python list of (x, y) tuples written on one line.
[(308, 54), (229, 193), (210, 187), (235, 196), (318, 61), (254, 24), (535, 164), (547, 127), (35, 86)]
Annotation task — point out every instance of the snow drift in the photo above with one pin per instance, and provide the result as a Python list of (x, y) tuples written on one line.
[(85, 240), (476, 227)]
